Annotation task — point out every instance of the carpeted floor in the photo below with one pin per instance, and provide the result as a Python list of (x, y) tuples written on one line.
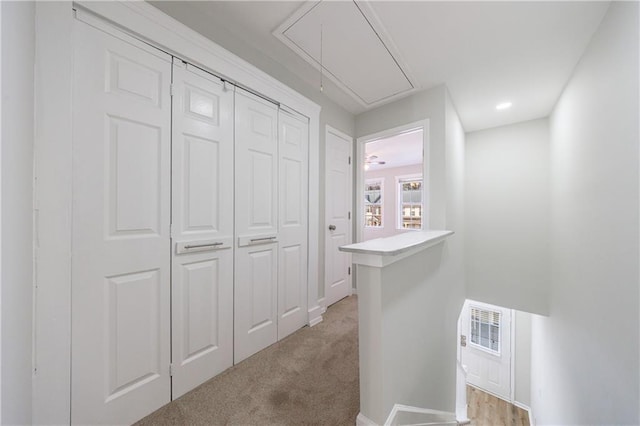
[(311, 377)]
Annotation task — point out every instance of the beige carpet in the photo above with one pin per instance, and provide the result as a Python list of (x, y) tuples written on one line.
[(311, 377)]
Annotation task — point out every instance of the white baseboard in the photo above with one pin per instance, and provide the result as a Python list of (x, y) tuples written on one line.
[(315, 316), (323, 305), (354, 291), (464, 420), (363, 420)]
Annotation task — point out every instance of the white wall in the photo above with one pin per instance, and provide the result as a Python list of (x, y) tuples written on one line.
[(444, 168), (521, 357), (507, 216), (455, 220), (18, 27), (427, 104), (0, 215), (53, 141), (585, 354), (389, 200), (455, 159)]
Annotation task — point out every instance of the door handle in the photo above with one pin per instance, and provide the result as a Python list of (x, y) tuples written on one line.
[(332, 227), (463, 340), (255, 240), (192, 246), (197, 246)]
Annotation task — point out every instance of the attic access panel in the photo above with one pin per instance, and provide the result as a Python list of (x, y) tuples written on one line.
[(355, 55)]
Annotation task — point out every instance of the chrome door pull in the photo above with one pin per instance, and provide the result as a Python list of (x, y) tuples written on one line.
[(332, 227), (192, 246), (253, 240)]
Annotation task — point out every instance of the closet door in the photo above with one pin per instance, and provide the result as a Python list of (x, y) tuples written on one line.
[(256, 259), (202, 228), (121, 204), (293, 145)]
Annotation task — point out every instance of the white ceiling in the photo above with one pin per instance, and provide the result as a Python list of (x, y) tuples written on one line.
[(396, 151), (317, 33), (485, 52)]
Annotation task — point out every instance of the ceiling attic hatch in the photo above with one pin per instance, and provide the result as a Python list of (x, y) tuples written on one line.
[(357, 55)]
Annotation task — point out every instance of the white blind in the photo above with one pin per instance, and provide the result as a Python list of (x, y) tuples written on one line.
[(485, 328)]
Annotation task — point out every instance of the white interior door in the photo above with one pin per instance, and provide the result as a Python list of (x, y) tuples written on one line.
[(256, 195), (121, 203), (293, 136), (338, 202), (486, 331), (202, 228)]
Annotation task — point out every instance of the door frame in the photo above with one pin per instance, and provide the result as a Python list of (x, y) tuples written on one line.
[(52, 170), (512, 344), (360, 180), (330, 129)]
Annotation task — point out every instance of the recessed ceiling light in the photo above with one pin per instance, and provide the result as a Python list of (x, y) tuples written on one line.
[(504, 105)]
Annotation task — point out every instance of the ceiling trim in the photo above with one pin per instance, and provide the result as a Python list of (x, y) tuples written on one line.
[(376, 25)]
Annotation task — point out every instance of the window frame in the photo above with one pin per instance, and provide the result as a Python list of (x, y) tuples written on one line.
[(380, 203), (399, 201), (480, 347)]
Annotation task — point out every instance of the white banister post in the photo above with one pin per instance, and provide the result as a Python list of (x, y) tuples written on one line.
[(462, 407)]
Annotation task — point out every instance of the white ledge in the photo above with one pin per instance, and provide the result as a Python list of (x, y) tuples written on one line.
[(384, 251)]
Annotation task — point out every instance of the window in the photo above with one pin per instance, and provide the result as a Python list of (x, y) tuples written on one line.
[(373, 203), (410, 203), (485, 329)]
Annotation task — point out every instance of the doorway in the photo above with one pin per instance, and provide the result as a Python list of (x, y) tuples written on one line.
[(338, 204), (486, 346), (392, 196)]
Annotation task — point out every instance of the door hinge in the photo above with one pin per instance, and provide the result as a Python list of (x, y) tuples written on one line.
[(349, 270), (171, 89), (349, 215), (349, 160), (170, 370)]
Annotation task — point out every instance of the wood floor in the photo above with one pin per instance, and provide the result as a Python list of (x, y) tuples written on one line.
[(488, 410)]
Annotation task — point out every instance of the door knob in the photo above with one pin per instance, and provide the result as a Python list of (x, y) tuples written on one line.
[(332, 227)]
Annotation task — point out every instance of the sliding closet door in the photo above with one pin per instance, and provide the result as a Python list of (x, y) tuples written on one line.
[(293, 144), (202, 227), (121, 204), (256, 194)]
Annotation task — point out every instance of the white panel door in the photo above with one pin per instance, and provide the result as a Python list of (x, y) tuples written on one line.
[(202, 228), (121, 245), (293, 192), (256, 196), (487, 352), (338, 201)]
